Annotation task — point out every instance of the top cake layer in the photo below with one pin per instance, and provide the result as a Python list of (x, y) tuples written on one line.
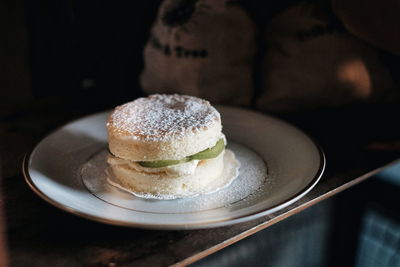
[(162, 117), (163, 127)]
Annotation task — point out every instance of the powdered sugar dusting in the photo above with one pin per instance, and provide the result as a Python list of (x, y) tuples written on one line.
[(229, 173), (251, 180), (161, 117)]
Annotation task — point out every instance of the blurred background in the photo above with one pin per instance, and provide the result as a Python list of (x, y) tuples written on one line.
[(73, 51), (69, 58)]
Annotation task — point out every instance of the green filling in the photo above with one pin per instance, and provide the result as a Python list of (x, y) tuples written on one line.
[(162, 163), (208, 153), (211, 152)]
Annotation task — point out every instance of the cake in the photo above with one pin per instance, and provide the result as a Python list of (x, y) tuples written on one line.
[(168, 146)]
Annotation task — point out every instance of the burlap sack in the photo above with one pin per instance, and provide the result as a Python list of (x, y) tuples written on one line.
[(203, 48), (376, 22), (311, 62)]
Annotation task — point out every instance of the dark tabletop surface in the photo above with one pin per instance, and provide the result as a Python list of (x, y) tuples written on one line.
[(358, 141)]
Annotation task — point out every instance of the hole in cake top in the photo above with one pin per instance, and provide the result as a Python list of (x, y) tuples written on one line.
[(162, 117)]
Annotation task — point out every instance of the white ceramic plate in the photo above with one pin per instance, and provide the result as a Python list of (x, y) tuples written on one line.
[(294, 164)]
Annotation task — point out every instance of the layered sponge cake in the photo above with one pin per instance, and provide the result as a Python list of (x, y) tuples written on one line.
[(168, 145)]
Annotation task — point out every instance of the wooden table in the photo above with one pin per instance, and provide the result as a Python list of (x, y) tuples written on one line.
[(358, 142)]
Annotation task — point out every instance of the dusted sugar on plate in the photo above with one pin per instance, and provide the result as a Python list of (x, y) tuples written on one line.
[(169, 146)]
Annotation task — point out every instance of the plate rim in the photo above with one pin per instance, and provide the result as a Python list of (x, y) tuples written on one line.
[(176, 226)]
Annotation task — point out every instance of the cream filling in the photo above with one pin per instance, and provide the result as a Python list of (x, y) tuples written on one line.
[(177, 170), (186, 168)]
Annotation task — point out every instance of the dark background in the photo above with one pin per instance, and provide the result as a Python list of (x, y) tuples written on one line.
[(85, 55), (88, 53), (88, 50)]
